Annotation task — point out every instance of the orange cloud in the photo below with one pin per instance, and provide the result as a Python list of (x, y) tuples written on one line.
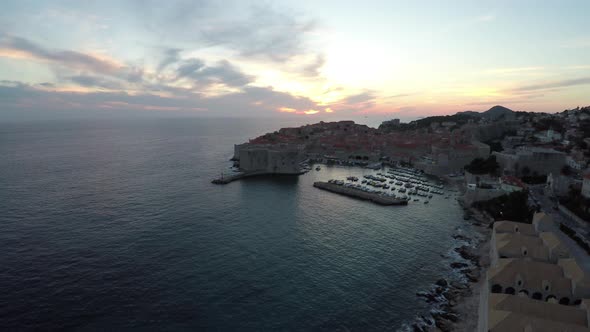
[(294, 111), (287, 110), (329, 110)]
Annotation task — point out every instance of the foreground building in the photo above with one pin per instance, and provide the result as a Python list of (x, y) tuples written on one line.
[(509, 313), (532, 284)]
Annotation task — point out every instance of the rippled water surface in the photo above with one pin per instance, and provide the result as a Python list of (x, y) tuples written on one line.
[(115, 225)]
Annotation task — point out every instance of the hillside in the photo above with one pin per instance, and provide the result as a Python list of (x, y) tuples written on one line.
[(497, 112), (460, 118)]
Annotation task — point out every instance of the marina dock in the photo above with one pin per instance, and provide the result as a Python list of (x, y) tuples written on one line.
[(353, 192), (225, 179)]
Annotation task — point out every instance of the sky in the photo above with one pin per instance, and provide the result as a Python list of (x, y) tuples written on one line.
[(316, 59)]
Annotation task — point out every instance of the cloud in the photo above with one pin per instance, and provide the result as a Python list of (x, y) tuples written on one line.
[(313, 69), (171, 55), (94, 81), (251, 101), (300, 112), (18, 47), (360, 98), (263, 33), (553, 84), (11, 46), (221, 73), (515, 70), (189, 67), (287, 110), (399, 95)]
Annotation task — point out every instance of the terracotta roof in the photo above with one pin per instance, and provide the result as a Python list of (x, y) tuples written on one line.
[(511, 244), (513, 181), (516, 313), (505, 226), (533, 275)]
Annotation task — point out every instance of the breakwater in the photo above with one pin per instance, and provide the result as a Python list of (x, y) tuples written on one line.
[(225, 179), (353, 192)]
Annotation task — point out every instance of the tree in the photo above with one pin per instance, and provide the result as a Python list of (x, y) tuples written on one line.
[(483, 166), (513, 206)]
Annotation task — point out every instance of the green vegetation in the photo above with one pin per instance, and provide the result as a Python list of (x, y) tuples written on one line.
[(483, 166), (566, 170), (572, 234), (577, 203), (550, 123), (512, 207), (460, 119), (534, 179), (495, 145)]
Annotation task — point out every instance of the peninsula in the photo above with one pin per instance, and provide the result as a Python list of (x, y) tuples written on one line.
[(435, 145)]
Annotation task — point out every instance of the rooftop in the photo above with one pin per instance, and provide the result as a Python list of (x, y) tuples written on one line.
[(513, 181), (505, 226), (533, 274), (511, 244), (515, 313)]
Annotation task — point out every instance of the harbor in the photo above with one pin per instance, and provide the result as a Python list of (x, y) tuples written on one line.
[(396, 185)]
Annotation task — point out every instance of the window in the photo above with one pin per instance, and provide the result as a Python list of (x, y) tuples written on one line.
[(496, 288), (546, 285)]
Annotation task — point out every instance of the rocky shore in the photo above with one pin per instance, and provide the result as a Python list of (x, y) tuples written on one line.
[(455, 303)]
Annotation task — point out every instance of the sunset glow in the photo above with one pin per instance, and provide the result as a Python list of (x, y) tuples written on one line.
[(301, 58)]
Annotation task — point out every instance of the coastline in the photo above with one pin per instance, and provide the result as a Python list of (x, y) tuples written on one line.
[(455, 303), (468, 306)]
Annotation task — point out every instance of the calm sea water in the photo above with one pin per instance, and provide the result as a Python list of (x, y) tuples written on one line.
[(115, 225)]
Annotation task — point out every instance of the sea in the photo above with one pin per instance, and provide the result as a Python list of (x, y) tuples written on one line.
[(115, 225)]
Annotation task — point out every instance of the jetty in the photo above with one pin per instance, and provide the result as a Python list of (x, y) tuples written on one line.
[(357, 193), (227, 178)]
